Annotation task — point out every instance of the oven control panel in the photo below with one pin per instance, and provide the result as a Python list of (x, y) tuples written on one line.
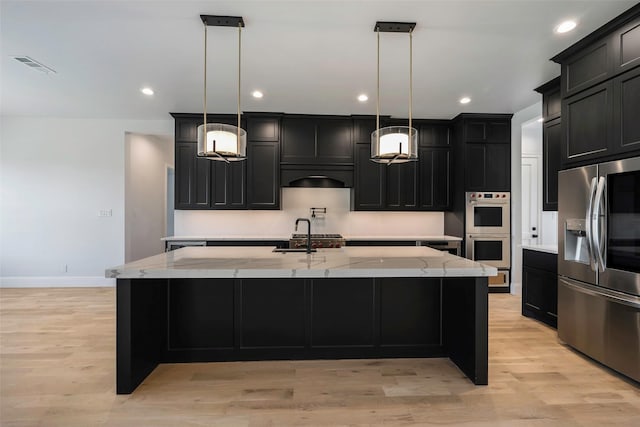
[(488, 196)]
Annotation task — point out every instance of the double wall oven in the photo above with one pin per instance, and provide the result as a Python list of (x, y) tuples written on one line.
[(488, 233), (599, 262)]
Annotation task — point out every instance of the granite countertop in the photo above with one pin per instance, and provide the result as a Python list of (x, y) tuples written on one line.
[(266, 238), (261, 262), (551, 249)]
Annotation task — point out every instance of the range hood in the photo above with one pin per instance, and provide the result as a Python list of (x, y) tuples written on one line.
[(316, 176)]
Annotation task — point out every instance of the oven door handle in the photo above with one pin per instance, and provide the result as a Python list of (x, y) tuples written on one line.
[(489, 236), (589, 224)]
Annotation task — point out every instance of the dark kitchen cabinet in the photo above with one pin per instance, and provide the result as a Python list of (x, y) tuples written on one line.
[(483, 149), (626, 110), (540, 286), (316, 140), (600, 89), (421, 185), (263, 175), (263, 161), (369, 186), (612, 49), (434, 178), (487, 167), (206, 184), (228, 188), (551, 142), (192, 178), (401, 189), (551, 152), (587, 119)]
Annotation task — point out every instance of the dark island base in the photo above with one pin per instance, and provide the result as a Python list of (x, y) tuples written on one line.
[(209, 320)]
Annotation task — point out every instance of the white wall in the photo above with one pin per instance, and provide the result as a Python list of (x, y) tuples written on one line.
[(519, 118), (147, 158), (296, 203), (56, 175)]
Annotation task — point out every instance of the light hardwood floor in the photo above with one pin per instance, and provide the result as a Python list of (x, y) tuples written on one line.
[(57, 352)]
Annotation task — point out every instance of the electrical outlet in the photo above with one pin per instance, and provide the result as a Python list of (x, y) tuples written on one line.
[(105, 213)]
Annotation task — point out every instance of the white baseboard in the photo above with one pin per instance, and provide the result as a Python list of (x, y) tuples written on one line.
[(55, 282)]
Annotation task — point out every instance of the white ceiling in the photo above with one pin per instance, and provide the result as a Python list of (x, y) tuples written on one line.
[(306, 56)]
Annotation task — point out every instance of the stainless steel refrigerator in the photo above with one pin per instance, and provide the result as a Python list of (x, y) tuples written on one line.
[(599, 262)]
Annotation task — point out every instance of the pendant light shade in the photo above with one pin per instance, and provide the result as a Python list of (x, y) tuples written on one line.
[(220, 141), (394, 144)]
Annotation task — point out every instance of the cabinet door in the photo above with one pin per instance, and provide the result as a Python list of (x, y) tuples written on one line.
[(369, 183), (401, 186), (552, 104), (539, 291), (192, 178), (298, 140), (333, 140), (627, 111), (551, 146), (263, 129), (434, 135), (498, 167), (475, 167), (587, 119), (487, 130), (434, 177), (362, 130), (186, 130), (228, 185), (263, 175)]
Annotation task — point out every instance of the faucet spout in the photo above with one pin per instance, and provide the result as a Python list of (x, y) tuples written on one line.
[(308, 231)]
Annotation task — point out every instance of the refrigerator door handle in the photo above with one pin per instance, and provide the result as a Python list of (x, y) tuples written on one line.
[(589, 223), (597, 229)]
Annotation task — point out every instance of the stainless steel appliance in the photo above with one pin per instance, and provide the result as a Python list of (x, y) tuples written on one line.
[(317, 241), (488, 212), (599, 262), (488, 233), (491, 249)]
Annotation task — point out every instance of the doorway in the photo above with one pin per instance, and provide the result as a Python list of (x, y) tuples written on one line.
[(530, 199)]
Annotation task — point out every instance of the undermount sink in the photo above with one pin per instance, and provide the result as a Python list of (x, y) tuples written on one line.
[(291, 250)]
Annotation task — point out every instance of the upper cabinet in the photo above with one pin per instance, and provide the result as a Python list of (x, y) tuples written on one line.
[(600, 91), (317, 140), (484, 142), (551, 142), (201, 183), (420, 185)]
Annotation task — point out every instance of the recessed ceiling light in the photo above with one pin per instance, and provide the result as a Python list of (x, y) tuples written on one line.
[(257, 94), (147, 91), (465, 100), (565, 27), (540, 120), (363, 98)]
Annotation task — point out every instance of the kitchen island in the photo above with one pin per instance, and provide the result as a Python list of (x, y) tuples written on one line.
[(204, 304)]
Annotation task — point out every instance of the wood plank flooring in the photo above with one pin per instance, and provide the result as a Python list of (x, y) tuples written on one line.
[(57, 368)]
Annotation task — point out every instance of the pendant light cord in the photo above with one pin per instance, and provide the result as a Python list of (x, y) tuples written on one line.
[(378, 92), (205, 87), (239, 76), (410, 82)]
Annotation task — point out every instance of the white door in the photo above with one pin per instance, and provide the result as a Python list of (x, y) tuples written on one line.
[(530, 200)]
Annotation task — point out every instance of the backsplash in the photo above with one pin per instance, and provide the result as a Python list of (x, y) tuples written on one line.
[(297, 203)]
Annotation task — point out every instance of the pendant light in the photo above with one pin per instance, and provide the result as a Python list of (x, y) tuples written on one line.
[(219, 141), (394, 144)]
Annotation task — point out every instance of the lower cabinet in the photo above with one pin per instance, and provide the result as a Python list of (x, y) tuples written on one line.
[(540, 286)]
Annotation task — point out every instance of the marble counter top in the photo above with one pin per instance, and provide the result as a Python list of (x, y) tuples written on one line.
[(551, 249), (347, 237), (261, 262)]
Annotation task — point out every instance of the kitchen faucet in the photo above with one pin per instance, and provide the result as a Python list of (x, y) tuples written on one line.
[(308, 232)]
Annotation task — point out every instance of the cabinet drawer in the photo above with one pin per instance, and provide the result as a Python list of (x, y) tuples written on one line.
[(540, 260)]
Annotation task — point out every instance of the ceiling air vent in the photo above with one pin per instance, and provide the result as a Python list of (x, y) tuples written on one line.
[(32, 63)]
